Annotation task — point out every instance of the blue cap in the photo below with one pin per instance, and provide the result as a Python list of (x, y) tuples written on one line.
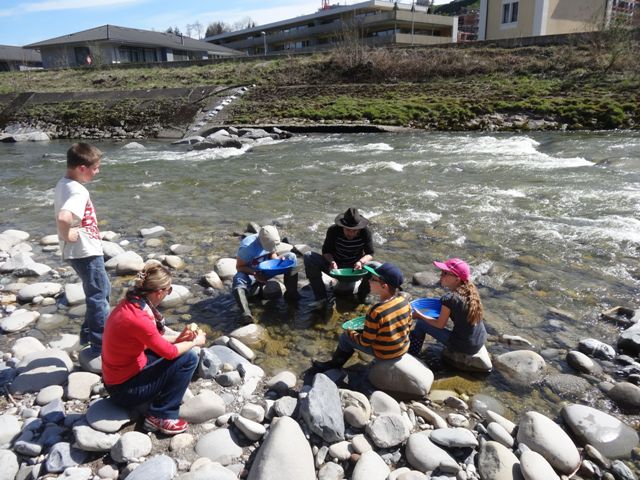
[(389, 273)]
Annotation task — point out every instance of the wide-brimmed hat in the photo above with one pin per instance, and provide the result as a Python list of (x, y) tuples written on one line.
[(269, 238), (389, 273), (351, 219), (456, 267)]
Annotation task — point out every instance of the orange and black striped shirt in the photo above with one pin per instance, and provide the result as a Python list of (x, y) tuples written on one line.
[(386, 328)]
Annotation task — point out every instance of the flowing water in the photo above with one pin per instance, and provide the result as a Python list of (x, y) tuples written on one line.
[(547, 221)]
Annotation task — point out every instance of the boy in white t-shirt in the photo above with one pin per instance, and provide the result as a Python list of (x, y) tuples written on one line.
[(80, 241)]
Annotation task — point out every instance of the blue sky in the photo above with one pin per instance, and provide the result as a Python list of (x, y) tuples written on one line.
[(28, 21)]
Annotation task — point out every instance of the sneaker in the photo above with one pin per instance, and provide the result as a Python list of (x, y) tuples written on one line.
[(168, 426)]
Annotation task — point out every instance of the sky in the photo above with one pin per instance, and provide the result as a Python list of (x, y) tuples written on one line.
[(28, 21)]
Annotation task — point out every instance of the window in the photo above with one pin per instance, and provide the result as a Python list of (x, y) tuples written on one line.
[(509, 12)]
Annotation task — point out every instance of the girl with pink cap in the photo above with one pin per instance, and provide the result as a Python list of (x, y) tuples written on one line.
[(462, 304)]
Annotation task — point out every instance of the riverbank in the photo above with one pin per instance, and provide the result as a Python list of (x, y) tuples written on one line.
[(275, 423), (592, 85)]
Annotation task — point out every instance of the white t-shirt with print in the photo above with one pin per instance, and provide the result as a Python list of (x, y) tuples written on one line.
[(72, 196)]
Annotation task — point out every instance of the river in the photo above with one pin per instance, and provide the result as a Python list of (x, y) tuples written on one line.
[(551, 220)]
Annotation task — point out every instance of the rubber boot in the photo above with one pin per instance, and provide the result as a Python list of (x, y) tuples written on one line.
[(319, 292), (363, 292), (338, 359), (240, 294), (291, 284)]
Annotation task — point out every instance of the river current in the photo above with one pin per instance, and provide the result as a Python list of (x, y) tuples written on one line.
[(546, 220)]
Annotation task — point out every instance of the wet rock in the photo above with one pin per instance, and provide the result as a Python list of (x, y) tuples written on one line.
[(387, 431), (370, 466), (596, 348), (174, 261), (62, 456), (220, 446), (205, 406), (607, 434), (160, 467), (544, 436), (478, 362), (188, 140), (621, 471), (497, 462), (322, 411), (250, 334), (178, 296), (481, 403), (284, 455), (522, 367), (106, 416), (629, 340), (152, 232), (626, 395), (426, 279), (582, 363), (426, 456), (130, 447), (405, 376), (568, 386)]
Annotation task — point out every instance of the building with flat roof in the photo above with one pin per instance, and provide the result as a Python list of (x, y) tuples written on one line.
[(112, 44), (374, 22)]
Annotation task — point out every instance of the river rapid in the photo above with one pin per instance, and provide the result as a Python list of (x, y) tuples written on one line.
[(546, 220)]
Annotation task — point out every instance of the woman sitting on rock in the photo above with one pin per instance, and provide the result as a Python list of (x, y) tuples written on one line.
[(140, 362), (462, 304)]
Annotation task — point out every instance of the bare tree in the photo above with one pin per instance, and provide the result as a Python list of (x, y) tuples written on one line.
[(188, 29), (197, 28), (246, 22)]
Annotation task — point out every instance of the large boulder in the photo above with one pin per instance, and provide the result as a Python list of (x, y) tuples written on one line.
[(322, 411), (497, 462), (478, 362), (629, 340), (284, 455), (405, 377), (606, 433), (543, 435), (178, 296), (521, 367)]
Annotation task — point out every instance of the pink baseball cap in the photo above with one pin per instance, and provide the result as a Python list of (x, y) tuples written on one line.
[(455, 266)]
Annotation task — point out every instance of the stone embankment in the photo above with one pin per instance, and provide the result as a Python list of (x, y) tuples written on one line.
[(56, 419)]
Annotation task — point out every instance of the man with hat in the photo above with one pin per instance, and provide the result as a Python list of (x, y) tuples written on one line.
[(347, 244), (253, 250), (387, 324)]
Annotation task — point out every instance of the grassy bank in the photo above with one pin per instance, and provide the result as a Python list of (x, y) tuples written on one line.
[(591, 85)]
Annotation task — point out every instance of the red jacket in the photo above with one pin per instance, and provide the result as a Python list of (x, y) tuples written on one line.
[(128, 332)]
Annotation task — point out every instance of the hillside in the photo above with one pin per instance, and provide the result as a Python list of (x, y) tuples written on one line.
[(591, 85)]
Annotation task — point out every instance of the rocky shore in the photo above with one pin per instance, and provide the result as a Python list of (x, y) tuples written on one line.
[(387, 421)]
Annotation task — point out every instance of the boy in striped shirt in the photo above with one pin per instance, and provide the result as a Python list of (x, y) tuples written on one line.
[(387, 325)]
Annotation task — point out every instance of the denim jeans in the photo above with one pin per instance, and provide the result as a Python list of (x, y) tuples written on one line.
[(422, 328), (346, 344), (162, 382), (249, 282), (315, 264), (96, 286)]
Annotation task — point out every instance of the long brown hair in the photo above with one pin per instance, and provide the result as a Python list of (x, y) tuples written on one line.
[(468, 291)]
